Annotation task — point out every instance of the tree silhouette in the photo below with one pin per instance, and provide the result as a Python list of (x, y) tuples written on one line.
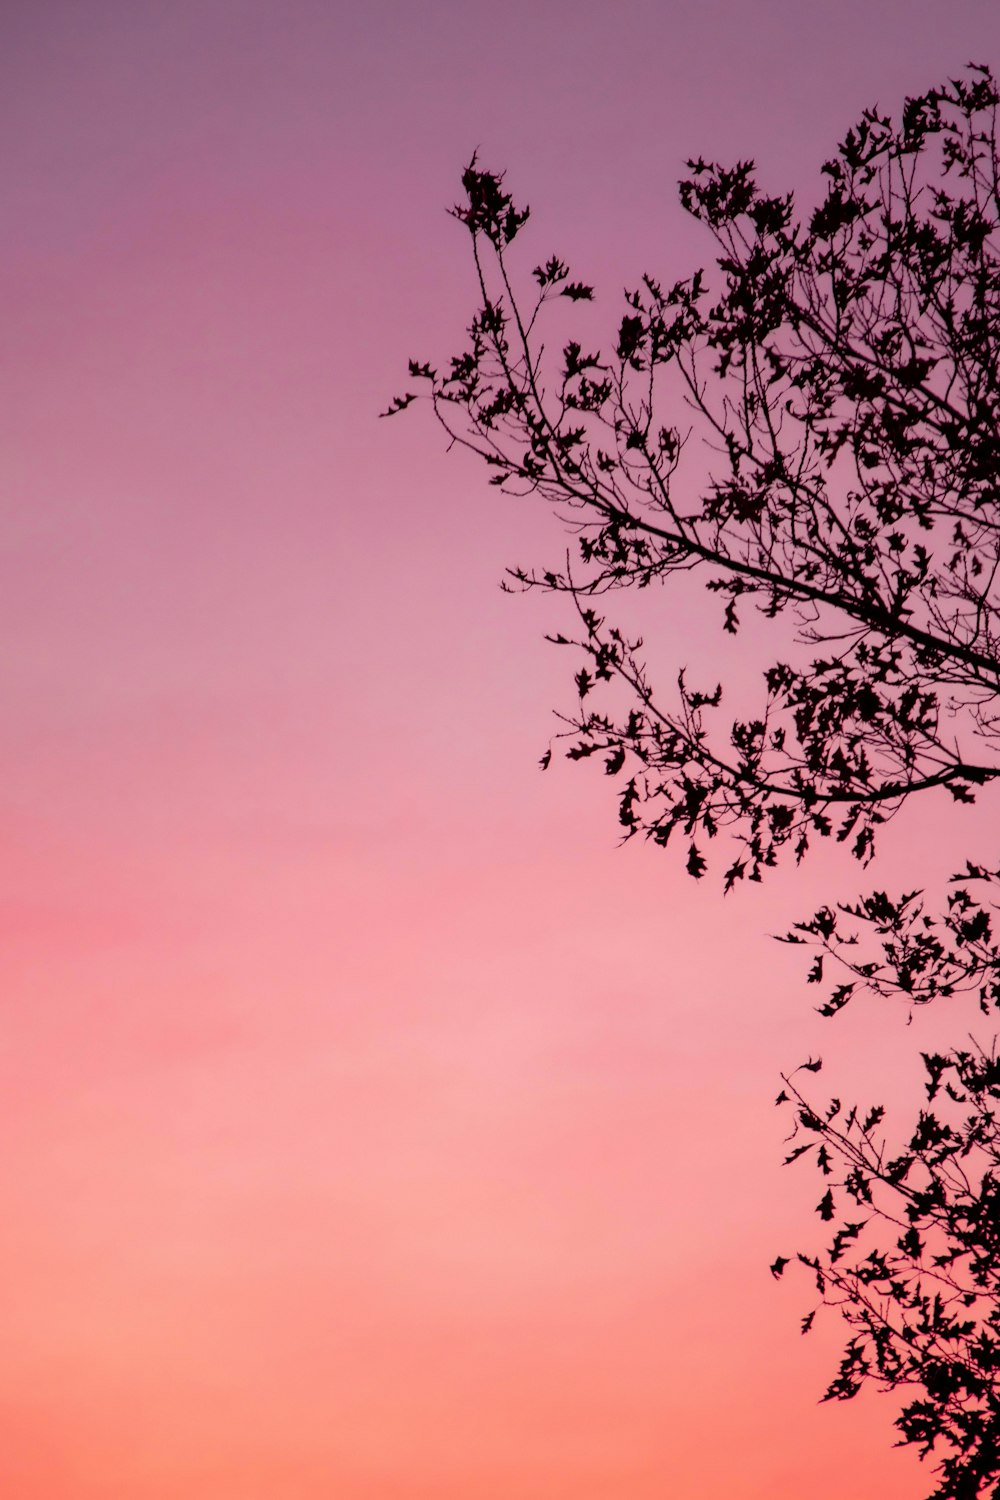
[(812, 427)]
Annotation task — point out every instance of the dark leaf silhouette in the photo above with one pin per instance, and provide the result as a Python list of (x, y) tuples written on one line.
[(398, 403)]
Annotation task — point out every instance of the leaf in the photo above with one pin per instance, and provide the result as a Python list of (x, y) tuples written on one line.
[(777, 1266), (614, 762), (696, 865), (398, 403), (626, 806), (911, 1244), (553, 271), (837, 1000), (799, 1151), (630, 336), (825, 1206)]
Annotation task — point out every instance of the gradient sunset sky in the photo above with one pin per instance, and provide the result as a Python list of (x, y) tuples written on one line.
[(373, 1126)]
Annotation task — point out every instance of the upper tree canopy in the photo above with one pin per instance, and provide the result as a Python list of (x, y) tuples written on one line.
[(839, 375)]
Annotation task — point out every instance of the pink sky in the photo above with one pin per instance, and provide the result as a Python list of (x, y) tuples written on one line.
[(374, 1127)]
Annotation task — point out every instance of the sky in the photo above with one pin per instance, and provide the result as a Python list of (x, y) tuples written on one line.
[(374, 1125)]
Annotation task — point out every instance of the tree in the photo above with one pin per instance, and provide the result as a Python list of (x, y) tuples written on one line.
[(812, 429)]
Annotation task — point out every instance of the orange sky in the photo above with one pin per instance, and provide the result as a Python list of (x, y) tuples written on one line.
[(374, 1128)]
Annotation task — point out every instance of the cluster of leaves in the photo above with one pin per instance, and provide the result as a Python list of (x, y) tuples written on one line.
[(920, 957), (913, 1258), (922, 1299), (843, 372)]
